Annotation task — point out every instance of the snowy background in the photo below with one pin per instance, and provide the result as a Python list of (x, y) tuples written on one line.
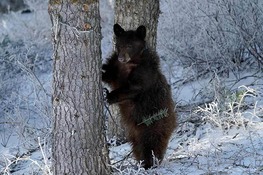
[(211, 53)]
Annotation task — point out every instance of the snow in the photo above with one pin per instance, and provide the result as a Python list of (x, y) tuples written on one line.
[(207, 141)]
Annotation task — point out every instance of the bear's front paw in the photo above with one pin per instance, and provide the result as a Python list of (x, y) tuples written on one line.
[(111, 98), (105, 93)]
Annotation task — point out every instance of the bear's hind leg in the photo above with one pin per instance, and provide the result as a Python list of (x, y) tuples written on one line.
[(154, 147)]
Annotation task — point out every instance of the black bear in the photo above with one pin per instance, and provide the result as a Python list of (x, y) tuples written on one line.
[(142, 93)]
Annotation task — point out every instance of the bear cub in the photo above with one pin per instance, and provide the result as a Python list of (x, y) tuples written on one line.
[(142, 94)]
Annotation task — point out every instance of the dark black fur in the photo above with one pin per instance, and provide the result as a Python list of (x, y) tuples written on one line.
[(140, 90)]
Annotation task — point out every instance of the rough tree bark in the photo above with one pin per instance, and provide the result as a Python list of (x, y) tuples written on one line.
[(130, 14), (79, 144)]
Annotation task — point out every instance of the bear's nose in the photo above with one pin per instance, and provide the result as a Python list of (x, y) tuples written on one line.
[(121, 59), (124, 58)]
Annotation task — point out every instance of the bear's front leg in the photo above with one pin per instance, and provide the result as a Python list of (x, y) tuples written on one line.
[(121, 94), (111, 97), (109, 73)]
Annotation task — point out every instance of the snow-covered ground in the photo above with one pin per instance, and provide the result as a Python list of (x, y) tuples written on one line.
[(223, 136)]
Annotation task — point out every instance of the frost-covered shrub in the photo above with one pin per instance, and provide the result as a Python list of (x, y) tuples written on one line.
[(230, 112), (25, 75), (11, 5), (212, 35)]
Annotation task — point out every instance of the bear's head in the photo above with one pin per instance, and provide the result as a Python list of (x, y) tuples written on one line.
[(129, 44)]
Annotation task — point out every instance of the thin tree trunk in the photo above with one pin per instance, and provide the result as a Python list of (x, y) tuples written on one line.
[(79, 145), (130, 14)]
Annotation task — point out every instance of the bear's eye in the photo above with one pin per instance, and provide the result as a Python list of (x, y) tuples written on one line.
[(120, 47), (129, 46)]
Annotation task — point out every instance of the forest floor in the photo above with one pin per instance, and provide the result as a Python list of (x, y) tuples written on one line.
[(207, 141)]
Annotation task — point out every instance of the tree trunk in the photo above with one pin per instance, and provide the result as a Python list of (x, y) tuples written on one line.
[(130, 14), (79, 145)]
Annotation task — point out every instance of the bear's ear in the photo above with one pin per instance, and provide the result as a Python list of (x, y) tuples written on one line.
[(118, 30), (141, 32)]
